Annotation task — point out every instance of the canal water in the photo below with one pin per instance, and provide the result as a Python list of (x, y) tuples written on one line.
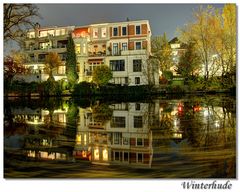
[(165, 137)]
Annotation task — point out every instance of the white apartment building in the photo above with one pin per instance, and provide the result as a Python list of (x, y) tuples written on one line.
[(123, 46)]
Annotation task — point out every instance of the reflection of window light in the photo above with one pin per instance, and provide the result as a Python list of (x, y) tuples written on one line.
[(84, 154), (175, 122), (31, 153), (205, 113), (96, 154), (177, 135), (85, 139), (45, 142), (78, 139), (105, 155)]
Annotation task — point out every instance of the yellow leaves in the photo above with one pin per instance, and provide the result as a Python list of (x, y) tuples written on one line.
[(53, 60)]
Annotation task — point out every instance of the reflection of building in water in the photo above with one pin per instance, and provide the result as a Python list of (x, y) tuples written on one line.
[(39, 116), (125, 139), (45, 137)]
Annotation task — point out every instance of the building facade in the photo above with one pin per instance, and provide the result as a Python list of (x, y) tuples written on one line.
[(123, 46)]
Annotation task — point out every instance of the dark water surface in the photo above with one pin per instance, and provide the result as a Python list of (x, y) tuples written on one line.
[(185, 137)]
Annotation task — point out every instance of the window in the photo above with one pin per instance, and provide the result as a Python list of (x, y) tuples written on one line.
[(115, 49), (84, 48), (117, 138), (57, 32), (126, 80), (125, 141), (117, 156), (117, 65), (137, 106), (139, 142), (139, 157), (124, 46), (125, 156), (137, 65), (78, 48), (95, 32), (138, 122), (138, 45), (61, 70), (124, 31), (138, 30), (115, 31), (118, 122), (31, 35), (63, 31), (104, 32), (137, 80)]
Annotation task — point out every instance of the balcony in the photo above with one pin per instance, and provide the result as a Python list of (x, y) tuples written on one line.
[(96, 125), (97, 54), (134, 52), (58, 48)]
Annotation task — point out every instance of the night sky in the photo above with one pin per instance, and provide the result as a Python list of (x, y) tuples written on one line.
[(163, 17)]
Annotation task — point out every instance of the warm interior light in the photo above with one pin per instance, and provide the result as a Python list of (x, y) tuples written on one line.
[(96, 154), (105, 155)]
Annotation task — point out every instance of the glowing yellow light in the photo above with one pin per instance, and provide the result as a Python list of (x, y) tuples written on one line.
[(85, 139), (105, 155), (78, 139), (96, 154)]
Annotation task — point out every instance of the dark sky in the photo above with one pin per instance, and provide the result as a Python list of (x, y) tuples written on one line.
[(163, 17)]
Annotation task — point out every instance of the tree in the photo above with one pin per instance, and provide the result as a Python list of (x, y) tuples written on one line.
[(189, 63), (202, 33), (13, 64), (102, 75), (17, 17), (71, 62), (52, 61), (162, 51)]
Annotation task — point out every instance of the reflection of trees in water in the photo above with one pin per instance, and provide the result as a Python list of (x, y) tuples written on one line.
[(102, 112), (213, 128)]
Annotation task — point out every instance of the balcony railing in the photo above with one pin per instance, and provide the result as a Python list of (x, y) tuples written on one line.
[(46, 48), (97, 54)]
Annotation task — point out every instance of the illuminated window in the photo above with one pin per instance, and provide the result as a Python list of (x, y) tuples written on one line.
[(43, 33), (31, 35), (104, 32), (79, 139), (51, 32), (61, 70), (85, 139), (105, 155), (95, 32), (57, 32), (78, 48), (63, 31), (96, 154), (84, 48), (62, 118)]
